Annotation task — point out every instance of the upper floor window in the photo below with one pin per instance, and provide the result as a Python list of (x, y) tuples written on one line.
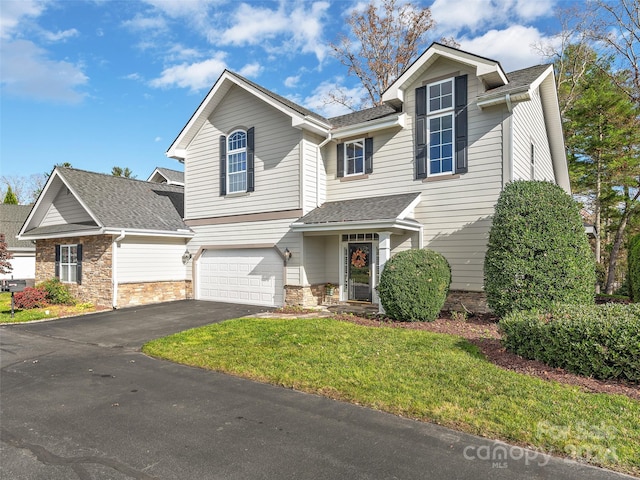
[(441, 127), (355, 157), (237, 162), (237, 166)]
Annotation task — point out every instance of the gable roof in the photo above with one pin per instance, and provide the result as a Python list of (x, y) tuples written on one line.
[(166, 175), (12, 218), (114, 204), (390, 211), (488, 70)]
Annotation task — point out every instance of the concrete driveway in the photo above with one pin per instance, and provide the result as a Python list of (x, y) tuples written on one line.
[(79, 401)]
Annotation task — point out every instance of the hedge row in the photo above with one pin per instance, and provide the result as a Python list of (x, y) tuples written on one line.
[(601, 341)]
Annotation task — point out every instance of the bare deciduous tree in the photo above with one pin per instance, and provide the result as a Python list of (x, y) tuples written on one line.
[(386, 37)]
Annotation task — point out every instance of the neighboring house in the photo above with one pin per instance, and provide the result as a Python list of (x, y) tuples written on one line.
[(166, 175), (282, 201), (23, 252), (115, 241)]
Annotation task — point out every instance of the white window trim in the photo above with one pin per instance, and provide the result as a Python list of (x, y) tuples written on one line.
[(231, 152), (360, 141), (442, 112), (450, 80), (68, 266)]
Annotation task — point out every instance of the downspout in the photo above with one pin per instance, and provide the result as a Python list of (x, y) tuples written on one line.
[(114, 267), (318, 157)]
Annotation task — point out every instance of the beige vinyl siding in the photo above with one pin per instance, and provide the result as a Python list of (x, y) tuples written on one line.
[(277, 152), (65, 209), (455, 212), (148, 259), (314, 271), (528, 128), (245, 234), (313, 173)]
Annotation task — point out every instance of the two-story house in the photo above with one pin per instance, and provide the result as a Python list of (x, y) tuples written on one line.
[(282, 201)]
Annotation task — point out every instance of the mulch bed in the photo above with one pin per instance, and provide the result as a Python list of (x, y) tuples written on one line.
[(482, 331)]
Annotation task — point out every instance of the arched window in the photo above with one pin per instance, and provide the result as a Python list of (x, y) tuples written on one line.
[(237, 162)]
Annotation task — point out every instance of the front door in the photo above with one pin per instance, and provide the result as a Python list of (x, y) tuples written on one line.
[(359, 272)]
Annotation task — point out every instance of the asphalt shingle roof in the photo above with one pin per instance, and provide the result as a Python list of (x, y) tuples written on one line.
[(125, 203), (12, 218), (172, 175), (362, 116), (373, 208), (519, 80)]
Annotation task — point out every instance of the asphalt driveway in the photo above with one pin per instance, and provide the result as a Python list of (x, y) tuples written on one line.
[(79, 400)]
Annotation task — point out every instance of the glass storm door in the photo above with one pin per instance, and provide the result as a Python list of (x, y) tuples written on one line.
[(359, 272)]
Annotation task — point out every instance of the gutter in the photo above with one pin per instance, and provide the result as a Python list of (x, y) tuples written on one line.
[(508, 98), (114, 268)]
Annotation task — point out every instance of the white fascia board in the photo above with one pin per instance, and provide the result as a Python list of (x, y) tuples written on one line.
[(73, 233), (513, 97), (309, 123), (357, 225), (149, 233), (410, 207), (369, 127)]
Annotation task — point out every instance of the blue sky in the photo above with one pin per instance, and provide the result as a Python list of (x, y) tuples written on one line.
[(105, 82)]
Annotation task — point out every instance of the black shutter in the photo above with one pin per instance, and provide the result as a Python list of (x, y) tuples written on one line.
[(250, 160), (223, 165), (368, 155), (79, 264), (57, 263), (340, 155), (421, 132), (461, 124)]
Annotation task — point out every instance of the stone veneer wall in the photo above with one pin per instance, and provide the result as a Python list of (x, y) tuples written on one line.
[(96, 267), (130, 294), (461, 301), (310, 296)]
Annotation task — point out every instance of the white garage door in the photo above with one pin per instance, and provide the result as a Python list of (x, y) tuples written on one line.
[(251, 276)]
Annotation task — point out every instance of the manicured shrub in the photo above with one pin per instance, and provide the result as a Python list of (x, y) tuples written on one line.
[(30, 297), (538, 253), (414, 285), (633, 276), (57, 292), (602, 341)]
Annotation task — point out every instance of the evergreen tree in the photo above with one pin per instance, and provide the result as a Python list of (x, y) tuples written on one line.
[(10, 198)]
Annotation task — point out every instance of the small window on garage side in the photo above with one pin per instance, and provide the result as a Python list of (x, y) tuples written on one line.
[(68, 263), (355, 157)]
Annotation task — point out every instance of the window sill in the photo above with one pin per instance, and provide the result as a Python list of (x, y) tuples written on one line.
[(354, 177), (441, 177), (237, 194)]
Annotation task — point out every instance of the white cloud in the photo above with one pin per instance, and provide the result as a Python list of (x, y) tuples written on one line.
[(195, 76), (157, 139), (512, 47), (27, 72), (318, 101), (291, 82), (13, 11), (251, 70), (145, 23), (452, 17), (60, 35), (182, 8)]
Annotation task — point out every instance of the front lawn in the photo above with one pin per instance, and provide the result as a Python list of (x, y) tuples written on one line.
[(51, 311), (427, 376)]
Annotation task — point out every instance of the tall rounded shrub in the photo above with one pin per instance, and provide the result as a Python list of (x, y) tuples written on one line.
[(414, 285), (633, 276), (538, 253)]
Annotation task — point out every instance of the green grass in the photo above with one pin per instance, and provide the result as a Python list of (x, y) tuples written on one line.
[(50, 311), (423, 375)]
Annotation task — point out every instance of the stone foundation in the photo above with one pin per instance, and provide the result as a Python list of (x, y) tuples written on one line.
[(310, 296), (461, 301), (132, 294)]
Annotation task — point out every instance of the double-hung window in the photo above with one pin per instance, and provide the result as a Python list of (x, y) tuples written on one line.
[(237, 162), (68, 263), (441, 127), (355, 157), (237, 173)]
